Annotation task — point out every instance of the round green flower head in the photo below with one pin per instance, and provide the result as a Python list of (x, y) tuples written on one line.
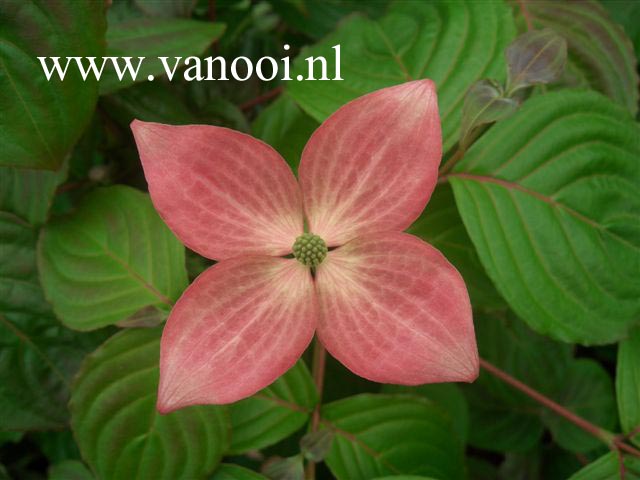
[(310, 249)]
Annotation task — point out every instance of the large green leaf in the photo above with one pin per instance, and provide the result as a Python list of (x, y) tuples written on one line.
[(378, 435), (110, 259), (608, 467), (273, 413), (115, 422), (628, 384), (586, 390), (600, 54), (453, 43), (285, 127), (41, 120), (153, 38), (502, 418), (38, 357), (441, 226), (550, 199)]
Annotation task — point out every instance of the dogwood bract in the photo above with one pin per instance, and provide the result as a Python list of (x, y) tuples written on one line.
[(387, 305)]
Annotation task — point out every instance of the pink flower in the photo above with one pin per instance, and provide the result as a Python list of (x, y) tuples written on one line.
[(387, 305)]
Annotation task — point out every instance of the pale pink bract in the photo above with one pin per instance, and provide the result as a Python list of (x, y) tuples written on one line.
[(387, 305)]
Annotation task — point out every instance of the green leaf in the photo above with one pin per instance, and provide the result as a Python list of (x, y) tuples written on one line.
[(378, 435), (607, 467), (273, 413), (549, 198), (109, 259), (587, 390), (599, 50), (153, 38), (628, 384), (316, 18), (115, 422), (229, 471), (502, 418), (447, 396), (38, 357), (285, 127), (535, 57), (404, 477), (42, 120), (69, 470), (453, 43), (626, 13), (29, 193), (441, 226)]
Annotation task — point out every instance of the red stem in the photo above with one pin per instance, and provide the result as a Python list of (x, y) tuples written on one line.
[(601, 434), (317, 370), (268, 95), (525, 14)]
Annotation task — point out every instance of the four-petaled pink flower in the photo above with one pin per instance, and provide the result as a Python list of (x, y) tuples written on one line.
[(387, 305)]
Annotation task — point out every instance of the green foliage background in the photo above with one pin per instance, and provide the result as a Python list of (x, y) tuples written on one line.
[(538, 207)]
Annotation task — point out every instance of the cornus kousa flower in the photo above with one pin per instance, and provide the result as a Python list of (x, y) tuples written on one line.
[(384, 303)]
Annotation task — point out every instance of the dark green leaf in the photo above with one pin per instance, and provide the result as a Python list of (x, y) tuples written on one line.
[(69, 470), (379, 435), (626, 13), (599, 51), (502, 418), (273, 413), (29, 193), (38, 357), (550, 199), (535, 57), (153, 38), (41, 120), (453, 43), (628, 384), (608, 467), (586, 390), (447, 396), (115, 422), (285, 127), (109, 259), (167, 8), (441, 226), (228, 471)]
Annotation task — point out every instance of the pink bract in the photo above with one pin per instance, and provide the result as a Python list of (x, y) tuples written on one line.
[(386, 304)]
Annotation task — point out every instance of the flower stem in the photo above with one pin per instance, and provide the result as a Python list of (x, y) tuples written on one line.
[(317, 371), (605, 436)]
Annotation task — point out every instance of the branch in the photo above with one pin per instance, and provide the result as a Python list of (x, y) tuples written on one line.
[(268, 95), (605, 436), (317, 370)]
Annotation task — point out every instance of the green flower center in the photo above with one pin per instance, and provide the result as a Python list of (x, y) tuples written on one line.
[(310, 249)]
